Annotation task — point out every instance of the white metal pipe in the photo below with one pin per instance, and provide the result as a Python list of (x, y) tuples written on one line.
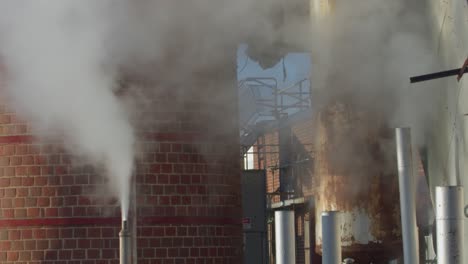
[(331, 237), (406, 183), (124, 243), (285, 237), (449, 224)]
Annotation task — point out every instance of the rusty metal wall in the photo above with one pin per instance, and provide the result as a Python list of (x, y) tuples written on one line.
[(355, 172)]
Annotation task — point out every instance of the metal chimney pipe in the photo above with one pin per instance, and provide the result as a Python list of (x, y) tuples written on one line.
[(407, 195), (285, 237), (124, 239), (449, 224), (331, 237)]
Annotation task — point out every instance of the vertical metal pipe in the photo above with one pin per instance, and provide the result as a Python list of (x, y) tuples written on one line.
[(449, 224), (124, 239), (133, 233), (407, 195), (285, 237), (331, 237)]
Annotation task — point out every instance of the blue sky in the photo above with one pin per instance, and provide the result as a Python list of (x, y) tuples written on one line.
[(297, 67)]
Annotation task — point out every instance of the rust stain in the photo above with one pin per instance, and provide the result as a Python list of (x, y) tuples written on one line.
[(355, 169)]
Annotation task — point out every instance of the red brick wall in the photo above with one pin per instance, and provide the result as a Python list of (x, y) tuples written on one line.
[(267, 151), (188, 188), (301, 149)]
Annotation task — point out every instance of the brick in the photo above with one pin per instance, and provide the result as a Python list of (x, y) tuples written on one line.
[(66, 233), (35, 191), (161, 253), (17, 245), (55, 243), (84, 200), (12, 256), (52, 233), (33, 212), (60, 170), (5, 119), (175, 200), (37, 255), (79, 232), (9, 171), (21, 213), (75, 190), (27, 160), (93, 254), (149, 252), (23, 192), (51, 255), (65, 212), (108, 254), (107, 232), (84, 243), (96, 243), (6, 203), (154, 168), (70, 201), (163, 179), (51, 212), (3, 235), (14, 235), (48, 191), (79, 254), (34, 149), (5, 245), (40, 160), (174, 179), (43, 201), (26, 234), (166, 168), (65, 254), (39, 233), (21, 149), (56, 201), (4, 161), (35, 170), (69, 243), (4, 182), (170, 231), (47, 170), (21, 171)]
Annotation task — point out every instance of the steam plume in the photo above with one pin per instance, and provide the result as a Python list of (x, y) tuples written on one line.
[(63, 57), (368, 49), (58, 78)]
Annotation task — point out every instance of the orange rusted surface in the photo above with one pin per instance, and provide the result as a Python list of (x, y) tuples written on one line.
[(355, 173)]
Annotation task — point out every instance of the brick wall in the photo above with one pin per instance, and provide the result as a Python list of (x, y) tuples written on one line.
[(267, 157), (302, 156), (54, 210)]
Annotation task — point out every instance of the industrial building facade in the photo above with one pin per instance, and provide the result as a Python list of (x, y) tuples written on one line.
[(55, 207), (187, 188)]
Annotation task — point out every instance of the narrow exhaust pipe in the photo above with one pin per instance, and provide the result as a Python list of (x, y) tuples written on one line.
[(285, 237), (331, 237), (406, 184), (449, 224), (124, 239)]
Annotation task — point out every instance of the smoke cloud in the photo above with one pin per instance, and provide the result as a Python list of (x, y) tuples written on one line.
[(63, 60), (58, 77), (367, 50)]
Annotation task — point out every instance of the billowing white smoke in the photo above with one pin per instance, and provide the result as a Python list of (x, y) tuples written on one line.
[(57, 76), (369, 49), (63, 57)]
